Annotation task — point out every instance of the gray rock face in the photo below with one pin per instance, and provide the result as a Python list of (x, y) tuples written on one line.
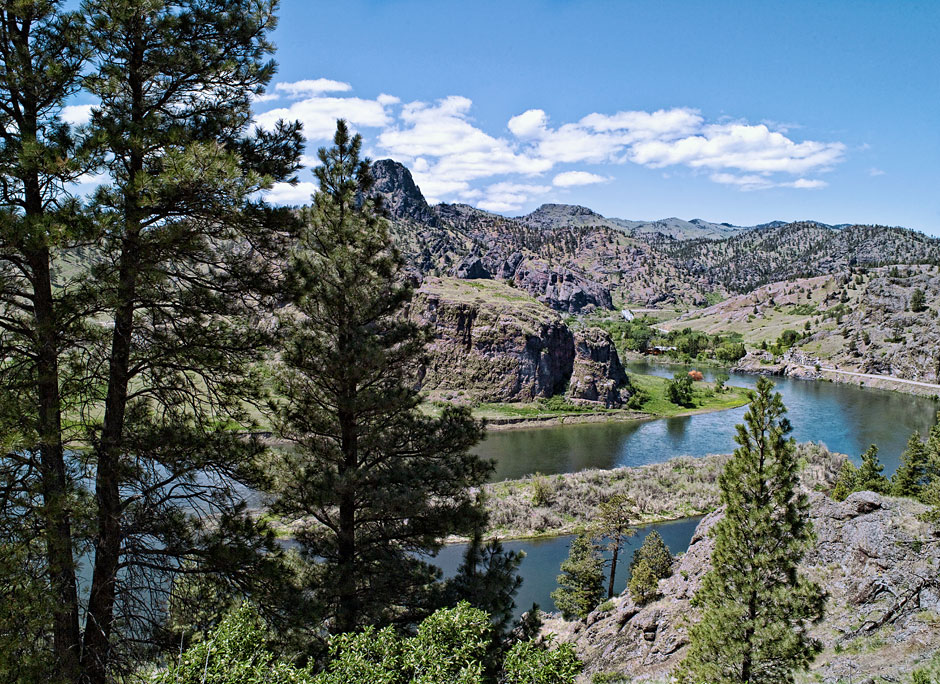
[(561, 288), (874, 557), (400, 196), (598, 375), (490, 346)]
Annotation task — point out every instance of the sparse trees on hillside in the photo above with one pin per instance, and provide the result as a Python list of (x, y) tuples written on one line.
[(755, 604)]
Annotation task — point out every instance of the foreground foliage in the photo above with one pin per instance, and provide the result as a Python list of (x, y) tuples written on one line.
[(452, 645)]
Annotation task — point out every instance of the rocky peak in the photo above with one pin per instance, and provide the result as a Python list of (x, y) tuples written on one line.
[(401, 197), (553, 215)]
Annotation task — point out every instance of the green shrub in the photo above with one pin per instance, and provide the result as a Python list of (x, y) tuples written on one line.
[(643, 585)]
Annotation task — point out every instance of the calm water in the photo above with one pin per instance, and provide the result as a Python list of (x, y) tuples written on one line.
[(543, 558), (843, 417)]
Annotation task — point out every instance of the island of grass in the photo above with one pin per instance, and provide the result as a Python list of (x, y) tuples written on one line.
[(651, 401)]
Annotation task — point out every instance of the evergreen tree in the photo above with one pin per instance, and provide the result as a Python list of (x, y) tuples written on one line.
[(377, 481), (869, 478), (918, 301), (655, 552), (488, 579), (913, 474), (755, 605), (845, 484), (581, 582), (612, 522), (183, 257), (644, 584), (42, 54)]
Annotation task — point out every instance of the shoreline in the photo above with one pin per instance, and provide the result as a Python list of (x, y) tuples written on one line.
[(613, 416), (545, 506)]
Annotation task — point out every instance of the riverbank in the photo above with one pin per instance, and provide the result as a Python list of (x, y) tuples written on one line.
[(684, 487), (654, 405)]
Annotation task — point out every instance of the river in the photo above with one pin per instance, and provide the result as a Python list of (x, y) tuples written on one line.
[(844, 417)]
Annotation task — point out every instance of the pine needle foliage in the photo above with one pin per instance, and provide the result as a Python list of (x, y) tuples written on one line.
[(581, 582), (756, 606), (376, 482)]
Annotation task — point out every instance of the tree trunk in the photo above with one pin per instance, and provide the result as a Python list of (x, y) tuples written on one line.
[(347, 614), (613, 571), (55, 510)]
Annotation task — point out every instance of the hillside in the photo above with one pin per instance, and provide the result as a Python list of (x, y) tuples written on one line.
[(858, 321), (575, 260), (874, 557)]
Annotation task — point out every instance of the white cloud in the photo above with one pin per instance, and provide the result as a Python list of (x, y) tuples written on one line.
[(873, 171), (759, 182), (77, 115), (319, 115), (739, 146), (452, 158), (571, 178), (448, 150), (287, 194), (508, 196), (311, 87)]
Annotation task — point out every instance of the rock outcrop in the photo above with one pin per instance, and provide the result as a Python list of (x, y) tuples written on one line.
[(877, 560), (598, 375), (561, 288), (401, 197), (493, 342)]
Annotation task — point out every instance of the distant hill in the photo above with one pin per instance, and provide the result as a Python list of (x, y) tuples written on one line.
[(574, 259)]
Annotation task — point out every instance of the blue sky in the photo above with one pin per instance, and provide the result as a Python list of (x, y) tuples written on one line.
[(739, 111), (730, 111)]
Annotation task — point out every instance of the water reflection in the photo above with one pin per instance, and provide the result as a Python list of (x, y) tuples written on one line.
[(844, 417)]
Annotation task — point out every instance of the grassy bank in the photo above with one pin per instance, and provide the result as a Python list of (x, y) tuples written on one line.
[(558, 410), (548, 505)]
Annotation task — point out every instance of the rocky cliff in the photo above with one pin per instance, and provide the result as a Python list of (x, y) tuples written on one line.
[(598, 375), (494, 342), (873, 555)]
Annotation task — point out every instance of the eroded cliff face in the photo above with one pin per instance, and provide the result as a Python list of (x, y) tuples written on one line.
[(874, 557), (598, 375), (494, 342)]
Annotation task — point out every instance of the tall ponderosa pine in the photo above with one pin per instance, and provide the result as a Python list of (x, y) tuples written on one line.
[(488, 579), (378, 481), (581, 582), (612, 522), (755, 604), (181, 267), (42, 53), (914, 472)]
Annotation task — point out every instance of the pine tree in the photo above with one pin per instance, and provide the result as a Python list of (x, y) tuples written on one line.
[(644, 584), (377, 481), (183, 257), (612, 522), (488, 579), (845, 484), (655, 552), (581, 582), (913, 474), (869, 478), (755, 604)]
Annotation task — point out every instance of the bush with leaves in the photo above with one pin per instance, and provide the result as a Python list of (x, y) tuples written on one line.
[(679, 390), (450, 646), (643, 584), (234, 653)]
